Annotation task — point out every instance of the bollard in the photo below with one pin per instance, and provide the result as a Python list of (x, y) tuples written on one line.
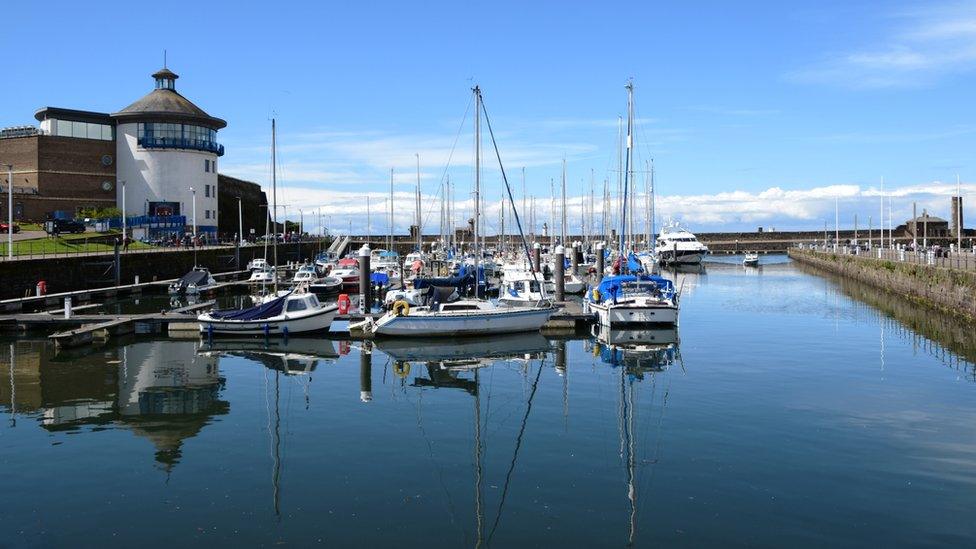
[(67, 307), (574, 260), (599, 262), (560, 273), (364, 287), (365, 373), (537, 257), (137, 280)]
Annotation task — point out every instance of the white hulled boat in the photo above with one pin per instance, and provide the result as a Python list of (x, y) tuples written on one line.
[(289, 314), (195, 282), (678, 246)]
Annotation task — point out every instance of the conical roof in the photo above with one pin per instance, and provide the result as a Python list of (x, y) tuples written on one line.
[(166, 104)]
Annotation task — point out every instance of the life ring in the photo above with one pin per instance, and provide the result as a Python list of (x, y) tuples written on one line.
[(401, 369), (401, 308), (596, 294)]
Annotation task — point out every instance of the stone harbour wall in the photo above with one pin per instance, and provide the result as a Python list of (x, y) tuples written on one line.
[(949, 290)]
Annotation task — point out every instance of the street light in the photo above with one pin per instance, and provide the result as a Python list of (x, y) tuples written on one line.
[(192, 190), (301, 223), (124, 227), (10, 211), (240, 221)]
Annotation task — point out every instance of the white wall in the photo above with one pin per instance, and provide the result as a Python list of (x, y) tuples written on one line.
[(164, 175)]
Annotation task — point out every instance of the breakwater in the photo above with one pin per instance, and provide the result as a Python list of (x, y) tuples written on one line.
[(947, 289)]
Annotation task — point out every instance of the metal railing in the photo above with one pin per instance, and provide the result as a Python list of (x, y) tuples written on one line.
[(181, 143), (951, 258)]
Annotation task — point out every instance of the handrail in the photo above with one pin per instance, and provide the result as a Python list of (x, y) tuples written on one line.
[(181, 143)]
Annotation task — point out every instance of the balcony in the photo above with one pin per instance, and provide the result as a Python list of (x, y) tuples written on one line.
[(190, 144)]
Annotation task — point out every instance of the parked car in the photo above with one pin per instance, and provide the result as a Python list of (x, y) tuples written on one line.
[(52, 226), (4, 227)]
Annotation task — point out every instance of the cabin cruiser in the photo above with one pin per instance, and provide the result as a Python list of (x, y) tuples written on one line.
[(524, 288), (751, 260), (305, 274), (263, 275), (634, 299), (287, 314), (257, 263), (677, 246), (193, 283), (325, 262), (348, 271)]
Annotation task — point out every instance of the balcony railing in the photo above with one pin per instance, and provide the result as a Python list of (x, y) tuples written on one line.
[(172, 143)]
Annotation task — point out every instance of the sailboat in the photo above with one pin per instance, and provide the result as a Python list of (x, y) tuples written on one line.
[(477, 316), (637, 298), (285, 313)]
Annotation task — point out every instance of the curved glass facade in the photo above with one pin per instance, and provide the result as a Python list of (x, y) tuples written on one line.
[(168, 135)]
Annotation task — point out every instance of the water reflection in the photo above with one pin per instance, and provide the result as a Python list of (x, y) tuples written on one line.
[(159, 390), (948, 339), (639, 351)]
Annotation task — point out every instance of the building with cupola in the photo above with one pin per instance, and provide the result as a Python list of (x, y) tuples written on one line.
[(155, 159)]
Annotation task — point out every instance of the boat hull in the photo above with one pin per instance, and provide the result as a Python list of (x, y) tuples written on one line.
[(459, 324), (316, 321), (631, 314), (687, 257)]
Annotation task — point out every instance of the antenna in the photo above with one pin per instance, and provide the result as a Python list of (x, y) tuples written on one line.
[(164, 59)]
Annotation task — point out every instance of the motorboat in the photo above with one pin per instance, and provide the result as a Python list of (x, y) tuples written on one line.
[(634, 299), (460, 318), (305, 275), (284, 315), (325, 262), (326, 286), (264, 275), (257, 263), (195, 282), (573, 284), (751, 260), (524, 288), (678, 246), (349, 274)]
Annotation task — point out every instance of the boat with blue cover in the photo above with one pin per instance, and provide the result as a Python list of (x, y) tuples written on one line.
[(289, 314), (634, 299)]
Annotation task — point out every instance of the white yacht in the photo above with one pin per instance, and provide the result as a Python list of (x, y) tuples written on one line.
[(678, 246), (524, 288), (634, 299), (281, 315)]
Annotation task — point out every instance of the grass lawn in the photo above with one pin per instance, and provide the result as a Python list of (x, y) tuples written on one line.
[(67, 244)]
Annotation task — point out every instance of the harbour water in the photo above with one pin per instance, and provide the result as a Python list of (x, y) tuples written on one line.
[(795, 410)]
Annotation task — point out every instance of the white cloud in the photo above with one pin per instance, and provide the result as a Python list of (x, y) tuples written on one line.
[(737, 210), (929, 44)]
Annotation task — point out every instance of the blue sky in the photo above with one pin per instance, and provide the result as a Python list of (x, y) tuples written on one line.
[(756, 113)]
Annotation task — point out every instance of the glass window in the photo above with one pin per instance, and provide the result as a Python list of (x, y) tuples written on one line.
[(296, 305), (107, 132)]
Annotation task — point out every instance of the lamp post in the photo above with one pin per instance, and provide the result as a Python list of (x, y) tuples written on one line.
[(10, 211), (192, 190), (124, 225), (240, 221), (301, 223)]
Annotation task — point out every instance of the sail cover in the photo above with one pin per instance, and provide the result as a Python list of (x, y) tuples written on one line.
[(260, 312)]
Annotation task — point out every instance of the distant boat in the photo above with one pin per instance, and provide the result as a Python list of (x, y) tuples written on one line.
[(678, 246), (263, 275), (257, 264), (193, 283), (305, 274), (289, 314), (751, 260)]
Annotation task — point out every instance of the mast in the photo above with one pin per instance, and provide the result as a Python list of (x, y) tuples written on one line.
[(882, 211), (390, 239), (626, 183), (274, 199), (368, 231), (420, 242), (562, 221), (523, 199), (653, 240), (477, 187)]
